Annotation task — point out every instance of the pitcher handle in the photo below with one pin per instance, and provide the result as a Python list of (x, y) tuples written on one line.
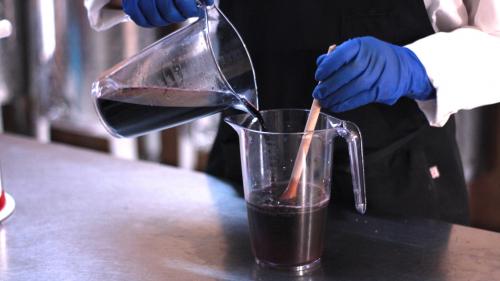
[(350, 132)]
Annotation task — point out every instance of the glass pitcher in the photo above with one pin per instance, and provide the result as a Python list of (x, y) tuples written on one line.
[(288, 233), (199, 70)]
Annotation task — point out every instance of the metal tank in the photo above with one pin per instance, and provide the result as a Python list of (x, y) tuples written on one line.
[(13, 81), (65, 56)]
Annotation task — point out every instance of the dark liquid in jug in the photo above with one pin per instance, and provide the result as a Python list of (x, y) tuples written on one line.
[(286, 235), (126, 112)]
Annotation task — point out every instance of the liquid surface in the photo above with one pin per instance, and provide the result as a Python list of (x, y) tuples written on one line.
[(286, 235), (168, 97), (136, 111), (310, 195)]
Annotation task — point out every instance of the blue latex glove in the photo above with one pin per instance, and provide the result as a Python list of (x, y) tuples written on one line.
[(151, 13), (365, 70)]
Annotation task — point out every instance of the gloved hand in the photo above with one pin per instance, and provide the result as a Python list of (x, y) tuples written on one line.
[(150, 13), (365, 70)]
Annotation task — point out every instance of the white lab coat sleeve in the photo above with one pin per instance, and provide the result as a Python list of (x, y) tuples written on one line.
[(463, 65), (102, 18)]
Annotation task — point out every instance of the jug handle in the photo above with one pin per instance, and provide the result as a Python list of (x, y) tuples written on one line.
[(351, 133)]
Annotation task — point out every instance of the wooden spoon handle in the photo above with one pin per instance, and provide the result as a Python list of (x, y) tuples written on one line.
[(291, 190)]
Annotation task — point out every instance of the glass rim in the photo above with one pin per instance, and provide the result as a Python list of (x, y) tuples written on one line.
[(338, 122)]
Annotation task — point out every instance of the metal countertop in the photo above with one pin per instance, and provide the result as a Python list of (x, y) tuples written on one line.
[(83, 215)]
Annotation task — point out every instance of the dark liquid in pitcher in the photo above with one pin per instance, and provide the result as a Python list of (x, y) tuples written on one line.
[(284, 235), (126, 118)]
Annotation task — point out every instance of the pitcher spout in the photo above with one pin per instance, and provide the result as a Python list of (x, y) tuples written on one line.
[(249, 97)]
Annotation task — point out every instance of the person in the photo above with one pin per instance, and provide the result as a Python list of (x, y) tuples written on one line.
[(400, 72)]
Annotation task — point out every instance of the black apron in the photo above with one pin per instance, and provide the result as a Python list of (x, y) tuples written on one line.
[(284, 39)]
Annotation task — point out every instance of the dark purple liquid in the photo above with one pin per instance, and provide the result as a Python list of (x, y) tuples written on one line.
[(137, 111), (283, 235), (128, 119), (255, 113)]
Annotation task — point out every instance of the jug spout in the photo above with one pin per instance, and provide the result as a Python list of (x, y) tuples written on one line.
[(242, 122), (234, 124)]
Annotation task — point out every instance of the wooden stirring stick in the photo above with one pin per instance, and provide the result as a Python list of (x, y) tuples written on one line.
[(298, 166)]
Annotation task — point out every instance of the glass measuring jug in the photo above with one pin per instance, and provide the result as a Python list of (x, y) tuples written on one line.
[(196, 71), (288, 234)]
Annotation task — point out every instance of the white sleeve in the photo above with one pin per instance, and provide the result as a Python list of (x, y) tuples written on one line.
[(102, 18), (463, 65)]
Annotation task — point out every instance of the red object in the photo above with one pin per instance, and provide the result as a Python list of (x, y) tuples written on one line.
[(2, 200)]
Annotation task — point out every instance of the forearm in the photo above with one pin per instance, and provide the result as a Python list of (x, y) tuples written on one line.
[(463, 67)]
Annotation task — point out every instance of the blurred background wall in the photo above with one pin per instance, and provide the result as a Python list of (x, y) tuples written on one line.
[(48, 66), (51, 58)]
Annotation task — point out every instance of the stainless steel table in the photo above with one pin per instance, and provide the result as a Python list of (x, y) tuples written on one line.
[(86, 216)]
